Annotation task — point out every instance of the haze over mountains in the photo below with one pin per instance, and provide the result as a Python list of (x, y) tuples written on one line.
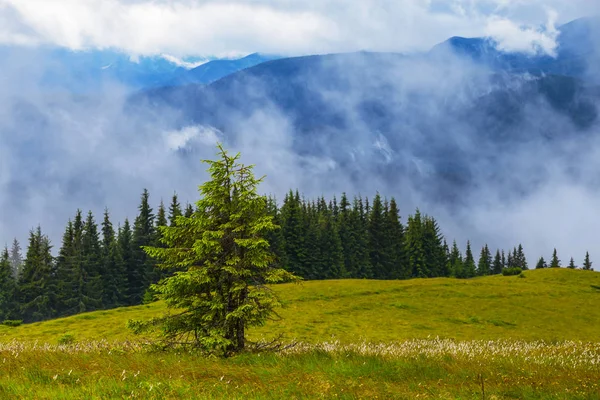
[(493, 142)]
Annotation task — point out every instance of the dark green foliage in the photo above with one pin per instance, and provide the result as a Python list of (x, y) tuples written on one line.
[(587, 264), (144, 234), (378, 255), (497, 265), (37, 286), (12, 322), (455, 262), (16, 259), (572, 264), (415, 247), (174, 210), (484, 266), (223, 264), (133, 273), (8, 287), (554, 262), (114, 292), (541, 263), (469, 269), (519, 258)]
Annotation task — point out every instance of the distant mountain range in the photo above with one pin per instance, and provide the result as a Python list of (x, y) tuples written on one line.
[(439, 121)]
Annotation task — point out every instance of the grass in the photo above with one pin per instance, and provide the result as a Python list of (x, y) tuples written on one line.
[(550, 305), (512, 338)]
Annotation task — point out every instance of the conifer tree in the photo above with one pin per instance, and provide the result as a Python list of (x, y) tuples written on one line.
[(92, 266), (16, 259), (455, 262), (587, 264), (144, 234), (275, 238), (133, 273), (396, 259), (497, 265), (221, 292), (554, 262), (469, 263), (377, 239), (114, 291), (520, 259), (174, 210), (433, 247), (7, 287), (189, 211), (572, 264), (37, 284), (484, 266), (360, 224), (541, 263), (294, 233), (332, 255), (504, 263), (414, 246)]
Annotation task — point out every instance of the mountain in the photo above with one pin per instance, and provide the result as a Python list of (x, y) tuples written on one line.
[(217, 69), (90, 71), (577, 52), (437, 123)]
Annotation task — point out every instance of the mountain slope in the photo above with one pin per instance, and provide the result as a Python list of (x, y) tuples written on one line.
[(551, 304)]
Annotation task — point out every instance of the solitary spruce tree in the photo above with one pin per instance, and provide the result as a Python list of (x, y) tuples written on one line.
[(223, 263), (554, 262), (587, 264)]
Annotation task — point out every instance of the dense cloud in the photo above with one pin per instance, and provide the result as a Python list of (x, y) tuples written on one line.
[(60, 152), (209, 27)]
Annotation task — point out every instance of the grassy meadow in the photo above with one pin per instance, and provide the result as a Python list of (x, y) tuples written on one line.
[(493, 338)]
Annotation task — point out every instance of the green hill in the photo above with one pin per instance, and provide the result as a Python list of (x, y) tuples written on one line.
[(550, 304)]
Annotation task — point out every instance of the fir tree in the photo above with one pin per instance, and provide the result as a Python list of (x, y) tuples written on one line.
[(397, 263), (541, 263), (37, 283), (414, 246), (484, 266), (497, 265), (377, 240), (587, 264), (16, 259), (7, 288), (433, 247), (133, 273), (174, 210), (114, 280), (572, 264), (554, 262), (469, 263), (222, 290), (92, 266), (294, 233), (455, 262), (144, 234), (520, 259)]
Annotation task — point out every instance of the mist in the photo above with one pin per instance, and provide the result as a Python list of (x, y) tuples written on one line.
[(60, 152)]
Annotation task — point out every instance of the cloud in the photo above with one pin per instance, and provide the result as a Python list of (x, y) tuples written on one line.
[(510, 37), (214, 28)]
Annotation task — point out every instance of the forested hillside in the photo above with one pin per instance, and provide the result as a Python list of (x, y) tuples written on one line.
[(102, 265)]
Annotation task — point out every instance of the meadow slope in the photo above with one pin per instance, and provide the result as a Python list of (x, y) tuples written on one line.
[(550, 304)]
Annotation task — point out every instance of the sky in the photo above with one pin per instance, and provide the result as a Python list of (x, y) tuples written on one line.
[(60, 152), (224, 28)]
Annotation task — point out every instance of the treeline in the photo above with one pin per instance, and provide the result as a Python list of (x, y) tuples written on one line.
[(102, 266)]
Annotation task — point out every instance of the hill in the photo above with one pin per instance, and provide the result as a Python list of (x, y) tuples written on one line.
[(551, 305)]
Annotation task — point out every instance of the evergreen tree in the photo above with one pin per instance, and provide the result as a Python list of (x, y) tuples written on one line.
[(332, 254), (520, 259), (396, 259), (360, 224), (92, 266), (114, 291), (484, 266), (587, 264), (504, 263), (37, 284), (294, 234), (228, 263), (433, 247), (554, 262), (133, 273), (455, 262), (275, 237), (541, 263), (144, 234), (7, 288), (189, 211), (572, 264), (174, 210), (377, 240), (67, 270), (16, 259), (414, 246), (497, 265), (469, 263)]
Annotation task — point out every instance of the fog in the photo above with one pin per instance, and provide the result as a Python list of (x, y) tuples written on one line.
[(60, 152)]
